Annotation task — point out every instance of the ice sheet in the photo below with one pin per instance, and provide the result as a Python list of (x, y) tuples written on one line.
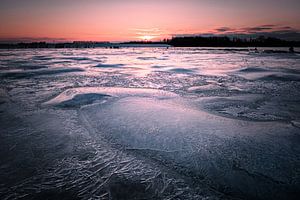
[(149, 123)]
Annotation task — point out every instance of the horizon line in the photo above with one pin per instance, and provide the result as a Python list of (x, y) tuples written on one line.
[(62, 40)]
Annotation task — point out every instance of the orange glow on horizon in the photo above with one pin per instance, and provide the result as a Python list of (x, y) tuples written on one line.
[(147, 37)]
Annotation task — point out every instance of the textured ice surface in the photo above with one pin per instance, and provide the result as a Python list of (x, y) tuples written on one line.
[(157, 123), (226, 153)]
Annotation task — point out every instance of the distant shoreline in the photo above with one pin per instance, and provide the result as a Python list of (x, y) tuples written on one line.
[(218, 42)]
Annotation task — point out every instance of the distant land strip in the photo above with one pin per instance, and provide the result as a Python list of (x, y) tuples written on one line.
[(196, 41)]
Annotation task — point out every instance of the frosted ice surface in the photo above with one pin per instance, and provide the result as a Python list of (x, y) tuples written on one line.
[(149, 123), (205, 145)]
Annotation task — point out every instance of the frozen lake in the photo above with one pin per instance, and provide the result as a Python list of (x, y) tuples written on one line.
[(149, 123)]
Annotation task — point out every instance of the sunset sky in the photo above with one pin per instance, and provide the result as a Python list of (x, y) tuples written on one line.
[(123, 20)]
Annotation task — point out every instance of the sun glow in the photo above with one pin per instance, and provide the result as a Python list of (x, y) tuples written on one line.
[(147, 37)]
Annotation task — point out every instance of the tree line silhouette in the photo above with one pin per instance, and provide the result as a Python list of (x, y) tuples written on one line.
[(261, 41)]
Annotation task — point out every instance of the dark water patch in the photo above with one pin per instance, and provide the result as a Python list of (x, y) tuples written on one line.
[(26, 67), (82, 99), (290, 71), (181, 71), (235, 49), (109, 65), (283, 70), (4, 54), (32, 73), (151, 58), (278, 52), (19, 61), (76, 58), (146, 58), (264, 74), (15, 67), (61, 61), (159, 66), (253, 69), (42, 58), (280, 77)]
